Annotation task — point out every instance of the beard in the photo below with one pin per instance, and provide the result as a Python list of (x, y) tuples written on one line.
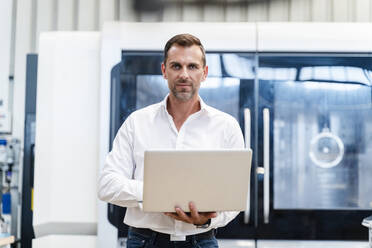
[(183, 94)]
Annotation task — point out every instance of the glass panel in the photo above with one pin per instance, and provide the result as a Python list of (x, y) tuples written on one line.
[(150, 89), (143, 84), (322, 131), (153, 88)]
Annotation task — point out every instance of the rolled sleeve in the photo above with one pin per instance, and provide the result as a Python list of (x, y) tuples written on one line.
[(115, 184)]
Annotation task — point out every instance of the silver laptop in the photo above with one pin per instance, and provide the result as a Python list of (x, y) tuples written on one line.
[(215, 180)]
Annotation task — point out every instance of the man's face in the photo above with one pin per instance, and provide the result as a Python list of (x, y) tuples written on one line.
[(184, 71)]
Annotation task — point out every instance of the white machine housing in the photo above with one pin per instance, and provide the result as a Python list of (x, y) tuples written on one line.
[(66, 141)]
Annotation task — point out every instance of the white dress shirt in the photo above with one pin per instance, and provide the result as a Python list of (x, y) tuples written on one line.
[(152, 127)]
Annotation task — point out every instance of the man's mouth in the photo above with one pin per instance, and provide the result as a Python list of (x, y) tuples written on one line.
[(183, 83)]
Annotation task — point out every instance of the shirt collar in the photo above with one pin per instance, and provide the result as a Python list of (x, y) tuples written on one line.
[(203, 105)]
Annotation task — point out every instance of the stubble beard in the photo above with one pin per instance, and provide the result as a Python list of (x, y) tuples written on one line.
[(183, 95)]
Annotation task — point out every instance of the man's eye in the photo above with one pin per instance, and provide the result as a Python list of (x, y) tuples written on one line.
[(175, 66), (193, 67)]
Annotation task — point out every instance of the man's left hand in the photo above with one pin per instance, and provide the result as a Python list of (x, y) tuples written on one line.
[(195, 217)]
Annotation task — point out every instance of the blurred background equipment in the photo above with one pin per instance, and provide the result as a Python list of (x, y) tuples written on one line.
[(9, 187), (326, 149), (27, 231)]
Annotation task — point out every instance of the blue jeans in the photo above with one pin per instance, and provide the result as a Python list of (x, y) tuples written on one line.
[(138, 240)]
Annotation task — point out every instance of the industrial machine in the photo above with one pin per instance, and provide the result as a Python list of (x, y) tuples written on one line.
[(303, 103)]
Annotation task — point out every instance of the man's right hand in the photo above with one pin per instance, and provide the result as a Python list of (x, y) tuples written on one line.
[(195, 217)]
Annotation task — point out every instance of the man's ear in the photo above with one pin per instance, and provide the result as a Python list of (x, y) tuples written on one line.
[(205, 72), (163, 70)]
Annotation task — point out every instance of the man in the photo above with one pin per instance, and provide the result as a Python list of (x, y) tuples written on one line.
[(181, 121)]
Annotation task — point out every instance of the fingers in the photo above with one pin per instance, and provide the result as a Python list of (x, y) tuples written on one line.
[(193, 211), (180, 215), (183, 216), (209, 215), (200, 217), (195, 217), (174, 216)]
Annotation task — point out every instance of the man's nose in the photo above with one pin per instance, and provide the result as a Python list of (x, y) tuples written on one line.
[(184, 73)]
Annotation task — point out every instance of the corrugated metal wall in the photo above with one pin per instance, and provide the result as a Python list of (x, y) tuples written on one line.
[(31, 17), (44, 15)]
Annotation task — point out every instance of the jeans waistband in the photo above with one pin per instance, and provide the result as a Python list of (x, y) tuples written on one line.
[(148, 233)]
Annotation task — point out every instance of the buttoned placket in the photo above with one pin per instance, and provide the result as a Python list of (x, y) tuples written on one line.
[(179, 145)]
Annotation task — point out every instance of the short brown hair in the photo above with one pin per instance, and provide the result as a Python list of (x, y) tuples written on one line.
[(184, 40)]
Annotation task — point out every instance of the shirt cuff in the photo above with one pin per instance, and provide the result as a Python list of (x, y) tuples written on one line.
[(215, 222), (139, 190)]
